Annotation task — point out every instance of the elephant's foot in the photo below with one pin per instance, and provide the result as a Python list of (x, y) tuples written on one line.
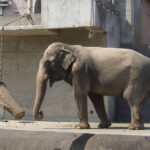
[(82, 125), (104, 124), (139, 126)]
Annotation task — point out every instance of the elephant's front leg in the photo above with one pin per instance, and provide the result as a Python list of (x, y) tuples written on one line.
[(81, 102)]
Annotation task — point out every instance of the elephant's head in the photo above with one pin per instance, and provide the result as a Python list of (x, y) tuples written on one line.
[(54, 66)]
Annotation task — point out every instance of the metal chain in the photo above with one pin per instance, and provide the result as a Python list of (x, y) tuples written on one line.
[(1, 41), (16, 19), (1, 66), (3, 116), (1, 52)]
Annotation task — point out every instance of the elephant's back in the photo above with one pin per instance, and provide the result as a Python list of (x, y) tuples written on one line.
[(112, 55), (112, 67)]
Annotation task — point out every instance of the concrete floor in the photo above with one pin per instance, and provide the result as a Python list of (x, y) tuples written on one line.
[(33, 135), (68, 127)]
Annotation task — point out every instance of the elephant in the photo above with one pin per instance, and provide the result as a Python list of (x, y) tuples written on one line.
[(95, 72), (8, 103)]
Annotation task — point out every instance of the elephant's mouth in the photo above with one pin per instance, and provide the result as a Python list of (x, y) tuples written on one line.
[(51, 82)]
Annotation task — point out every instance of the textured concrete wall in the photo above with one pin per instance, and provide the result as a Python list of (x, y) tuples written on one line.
[(145, 22), (136, 22), (63, 14), (59, 138), (22, 55), (124, 7)]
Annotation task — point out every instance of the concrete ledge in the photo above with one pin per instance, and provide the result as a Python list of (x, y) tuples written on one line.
[(61, 136), (39, 30), (27, 30)]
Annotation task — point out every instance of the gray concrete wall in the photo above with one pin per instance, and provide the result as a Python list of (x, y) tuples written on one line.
[(66, 14), (21, 58), (136, 22), (145, 22), (61, 136), (125, 9), (49, 140)]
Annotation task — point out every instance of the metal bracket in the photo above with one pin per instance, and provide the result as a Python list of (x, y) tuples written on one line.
[(3, 3), (1, 10)]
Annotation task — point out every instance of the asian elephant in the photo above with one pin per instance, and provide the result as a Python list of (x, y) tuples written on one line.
[(95, 72), (8, 103)]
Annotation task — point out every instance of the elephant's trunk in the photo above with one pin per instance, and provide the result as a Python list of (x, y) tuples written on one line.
[(8, 103), (41, 83)]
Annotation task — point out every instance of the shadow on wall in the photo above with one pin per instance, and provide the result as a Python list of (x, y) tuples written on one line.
[(38, 6), (124, 7), (80, 142)]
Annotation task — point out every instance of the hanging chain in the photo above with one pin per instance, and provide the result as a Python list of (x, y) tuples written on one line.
[(3, 116), (1, 53), (1, 66), (1, 41), (16, 19)]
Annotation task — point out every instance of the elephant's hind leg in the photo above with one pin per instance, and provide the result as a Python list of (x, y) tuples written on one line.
[(98, 104), (136, 103), (136, 117)]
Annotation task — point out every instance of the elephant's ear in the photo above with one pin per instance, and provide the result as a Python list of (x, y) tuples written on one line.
[(66, 58)]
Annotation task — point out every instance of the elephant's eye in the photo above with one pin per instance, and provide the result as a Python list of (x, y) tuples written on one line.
[(47, 63)]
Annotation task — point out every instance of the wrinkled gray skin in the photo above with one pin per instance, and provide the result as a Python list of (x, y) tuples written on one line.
[(9, 104), (94, 72)]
